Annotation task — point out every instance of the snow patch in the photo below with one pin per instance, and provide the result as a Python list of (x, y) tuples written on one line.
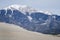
[(24, 9)]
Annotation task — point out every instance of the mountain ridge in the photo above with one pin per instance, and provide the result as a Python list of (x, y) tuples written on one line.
[(33, 21), (25, 8)]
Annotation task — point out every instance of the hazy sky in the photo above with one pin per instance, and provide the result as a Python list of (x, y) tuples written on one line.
[(52, 5)]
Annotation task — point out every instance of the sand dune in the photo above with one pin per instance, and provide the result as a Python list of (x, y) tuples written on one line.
[(14, 32)]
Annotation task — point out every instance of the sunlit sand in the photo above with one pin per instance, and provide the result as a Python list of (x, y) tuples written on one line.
[(14, 32)]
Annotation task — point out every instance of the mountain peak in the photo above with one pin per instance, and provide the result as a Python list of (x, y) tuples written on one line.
[(18, 6), (25, 8)]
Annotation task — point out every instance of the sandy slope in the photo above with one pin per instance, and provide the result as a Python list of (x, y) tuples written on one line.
[(13, 32)]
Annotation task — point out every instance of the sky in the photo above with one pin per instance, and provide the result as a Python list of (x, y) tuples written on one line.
[(50, 5)]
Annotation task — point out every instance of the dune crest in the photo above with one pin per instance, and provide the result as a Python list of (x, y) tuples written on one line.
[(14, 32)]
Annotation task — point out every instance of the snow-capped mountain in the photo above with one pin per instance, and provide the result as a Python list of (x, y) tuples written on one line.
[(31, 19), (25, 8), (22, 8)]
